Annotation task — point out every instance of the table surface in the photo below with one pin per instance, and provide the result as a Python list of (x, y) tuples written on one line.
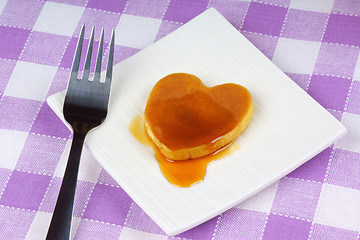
[(316, 43)]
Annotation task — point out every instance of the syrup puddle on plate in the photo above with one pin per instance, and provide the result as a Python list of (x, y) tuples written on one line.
[(183, 173)]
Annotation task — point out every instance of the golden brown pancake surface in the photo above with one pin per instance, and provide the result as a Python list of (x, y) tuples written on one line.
[(187, 120)]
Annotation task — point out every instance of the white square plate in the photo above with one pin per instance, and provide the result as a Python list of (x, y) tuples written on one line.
[(287, 129)]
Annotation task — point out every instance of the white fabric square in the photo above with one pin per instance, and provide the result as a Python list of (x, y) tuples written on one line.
[(262, 201), (296, 56), (11, 148), (356, 76), (136, 32), (57, 18), (2, 5), (131, 234), (338, 207), (89, 169), (40, 226), (351, 141), (75, 222), (313, 5), (30, 80)]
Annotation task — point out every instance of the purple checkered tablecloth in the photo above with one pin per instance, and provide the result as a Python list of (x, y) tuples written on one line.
[(315, 42)]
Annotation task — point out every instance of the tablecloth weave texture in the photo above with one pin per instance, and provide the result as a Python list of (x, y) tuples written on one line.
[(315, 42)]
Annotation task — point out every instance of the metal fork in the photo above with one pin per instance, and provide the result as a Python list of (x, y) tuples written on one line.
[(85, 107)]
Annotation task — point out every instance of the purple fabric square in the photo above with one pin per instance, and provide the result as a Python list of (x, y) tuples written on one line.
[(166, 27), (50, 198), (25, 190), (264, 19), (234, 11), (354, 98), (109, 5), (184, 10), (7, 67), (60, 81), (281, 228), (345, 169), (105, 20), (44, 48), (332, 233), (343, 29), (330, 92), (10, 217), (48, 123), (147, 8), (336, 60), (296, 198), (139, 220), (203, 231), (302, 80), (41, 154), (21, 14), (305, 25), (20, 113), (96, 231), (108, 204), (314, 169), (121, 53), (346, 6), (68, 57), (12, 41), (266, 44), (241, 224)]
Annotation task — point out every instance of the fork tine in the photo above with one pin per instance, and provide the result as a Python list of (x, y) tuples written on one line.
[(88, 56), (76, 61), (99, 57), (110, 60)]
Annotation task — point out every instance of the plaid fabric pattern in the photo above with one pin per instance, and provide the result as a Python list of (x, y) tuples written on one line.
[(315, 42)]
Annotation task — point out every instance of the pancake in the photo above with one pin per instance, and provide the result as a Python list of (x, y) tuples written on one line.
[(187, 120)]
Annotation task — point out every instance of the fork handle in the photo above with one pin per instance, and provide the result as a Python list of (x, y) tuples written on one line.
[(61, 220)]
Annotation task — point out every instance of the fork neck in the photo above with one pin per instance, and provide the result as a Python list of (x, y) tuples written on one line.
[(81, 127), (77, 143), (78, 139)]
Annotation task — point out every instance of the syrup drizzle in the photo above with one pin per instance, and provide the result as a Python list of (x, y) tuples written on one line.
[(183, 114), (180, 173)]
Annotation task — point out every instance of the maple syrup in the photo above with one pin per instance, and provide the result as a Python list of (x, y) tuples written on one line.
[(187, 120), (180, 173), (190, 125)]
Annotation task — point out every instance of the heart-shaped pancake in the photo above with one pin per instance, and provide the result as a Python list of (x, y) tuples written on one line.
[(187, 120)]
